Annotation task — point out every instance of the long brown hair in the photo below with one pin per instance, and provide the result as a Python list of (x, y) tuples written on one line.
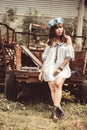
[(52, 35)]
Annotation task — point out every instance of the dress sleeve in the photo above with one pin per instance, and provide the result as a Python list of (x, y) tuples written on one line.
[(44, 54), (70, 52)]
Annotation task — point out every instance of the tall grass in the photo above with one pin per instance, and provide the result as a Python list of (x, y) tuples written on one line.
[(35, 115)]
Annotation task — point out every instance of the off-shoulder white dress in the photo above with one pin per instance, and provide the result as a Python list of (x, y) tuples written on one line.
[(50, 65)]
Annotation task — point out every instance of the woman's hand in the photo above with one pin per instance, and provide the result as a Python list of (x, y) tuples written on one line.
[(57, 72), (40, 77)]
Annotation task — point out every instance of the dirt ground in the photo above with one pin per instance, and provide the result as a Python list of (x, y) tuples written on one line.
[(34, 114)]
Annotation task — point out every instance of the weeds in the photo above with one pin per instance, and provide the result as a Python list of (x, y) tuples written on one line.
[(36, 116)]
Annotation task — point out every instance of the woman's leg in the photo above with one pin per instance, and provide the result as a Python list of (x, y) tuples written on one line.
[(58, 91), (52, 89), (57, 98), (56, 94)]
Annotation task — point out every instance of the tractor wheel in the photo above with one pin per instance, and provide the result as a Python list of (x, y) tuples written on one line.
[(10, 87), (83, 92)]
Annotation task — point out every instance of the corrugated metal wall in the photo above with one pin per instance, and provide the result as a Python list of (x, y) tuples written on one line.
[(64, 8)]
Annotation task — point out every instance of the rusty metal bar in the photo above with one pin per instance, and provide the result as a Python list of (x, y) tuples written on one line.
[(2, 46), (7, 36), (9, 29)]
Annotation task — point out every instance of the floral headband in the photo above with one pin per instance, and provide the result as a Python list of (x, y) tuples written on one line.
[(55, 21)]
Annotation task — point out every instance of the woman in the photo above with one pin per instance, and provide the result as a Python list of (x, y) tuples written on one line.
[(56, 59)]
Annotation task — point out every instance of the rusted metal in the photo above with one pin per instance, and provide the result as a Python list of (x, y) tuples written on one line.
[(27, 76), (18, 57), (7, 33)]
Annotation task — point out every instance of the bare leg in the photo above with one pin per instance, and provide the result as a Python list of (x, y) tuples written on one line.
[(56, 94), (58, 91), (57, 99), (52, 89)]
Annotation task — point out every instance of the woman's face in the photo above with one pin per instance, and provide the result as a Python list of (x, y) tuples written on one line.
[(59, 29)]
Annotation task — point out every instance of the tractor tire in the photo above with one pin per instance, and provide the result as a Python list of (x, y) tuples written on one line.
[(10, 89), (83, 92)]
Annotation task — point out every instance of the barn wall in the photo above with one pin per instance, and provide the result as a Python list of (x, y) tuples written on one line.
[(47, 8)]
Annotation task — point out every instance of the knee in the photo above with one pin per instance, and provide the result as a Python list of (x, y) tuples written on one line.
[(58, 84)]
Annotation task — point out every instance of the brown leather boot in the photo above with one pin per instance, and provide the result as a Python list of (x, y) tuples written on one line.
[(54, 113), (60, 113)]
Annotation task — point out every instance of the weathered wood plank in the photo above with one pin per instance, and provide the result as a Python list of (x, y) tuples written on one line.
[(28, 52)]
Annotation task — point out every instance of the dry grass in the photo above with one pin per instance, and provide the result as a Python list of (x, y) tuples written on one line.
[(35, 115)]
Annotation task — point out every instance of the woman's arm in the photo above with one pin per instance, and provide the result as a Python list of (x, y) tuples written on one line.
[(66, 60), (68, 40), (40, 77), (44, 55)]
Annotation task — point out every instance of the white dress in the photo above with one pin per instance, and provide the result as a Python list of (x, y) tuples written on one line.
[(49, 61)]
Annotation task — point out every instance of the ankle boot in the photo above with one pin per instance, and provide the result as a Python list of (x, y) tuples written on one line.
[(60, 113), (54, 114)]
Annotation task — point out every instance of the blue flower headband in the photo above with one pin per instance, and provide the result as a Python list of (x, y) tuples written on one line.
[(55, 21)]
